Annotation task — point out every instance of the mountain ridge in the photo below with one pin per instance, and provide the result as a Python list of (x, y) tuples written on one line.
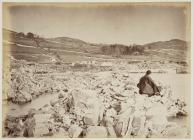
[(20, 44)]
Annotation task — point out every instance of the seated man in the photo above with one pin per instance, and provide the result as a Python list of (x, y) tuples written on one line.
[(147, 86)]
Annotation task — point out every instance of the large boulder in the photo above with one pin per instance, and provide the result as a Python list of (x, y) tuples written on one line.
[(87, 102), (158, 118)]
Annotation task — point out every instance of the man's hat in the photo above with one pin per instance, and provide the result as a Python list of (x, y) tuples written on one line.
[(148, 72)]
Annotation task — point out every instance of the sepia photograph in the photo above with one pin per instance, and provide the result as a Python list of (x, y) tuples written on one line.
[(96, 70)]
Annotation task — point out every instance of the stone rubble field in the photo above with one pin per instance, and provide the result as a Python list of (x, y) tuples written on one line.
[(92, 104)]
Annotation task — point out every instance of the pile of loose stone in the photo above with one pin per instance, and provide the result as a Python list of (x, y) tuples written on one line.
[(25, 84), (112, 107), (102, 104)]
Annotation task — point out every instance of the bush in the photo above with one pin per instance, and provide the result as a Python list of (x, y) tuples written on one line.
[(30, 35)]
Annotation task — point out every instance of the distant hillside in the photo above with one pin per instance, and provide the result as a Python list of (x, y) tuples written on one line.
[(22, 47), (66, 40), (70, 43), (119, 49), (59, 43), (171, 44)]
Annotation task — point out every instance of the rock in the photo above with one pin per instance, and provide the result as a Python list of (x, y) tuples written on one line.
[(123, 119), (65, 90), (62, 95), (96, 132), (117, 106), (61, 111), (177, 108), (13, 126), (46, 105), (92, 105), (28, 97), (66, 121), (88, 120), (61, 133), (118, 128), (53, 102), (74, 131), (111, 132), (159, 116), (111, 112)]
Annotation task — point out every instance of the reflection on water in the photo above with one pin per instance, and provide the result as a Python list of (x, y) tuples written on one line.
[(183, 121), (15, 109), (179, 120)]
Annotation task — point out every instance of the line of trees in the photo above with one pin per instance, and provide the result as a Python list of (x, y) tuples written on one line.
[(119, 49)]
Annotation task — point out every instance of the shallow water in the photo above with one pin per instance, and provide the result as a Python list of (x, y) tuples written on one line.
[(15, 109)]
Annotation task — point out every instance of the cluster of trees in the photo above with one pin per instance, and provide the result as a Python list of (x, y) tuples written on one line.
[(31, 36), (28, 35), (35, 38), (118, 49)]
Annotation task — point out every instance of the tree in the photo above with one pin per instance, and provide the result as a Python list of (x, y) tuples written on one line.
[(21, 34), (30, 35), (35, 38)]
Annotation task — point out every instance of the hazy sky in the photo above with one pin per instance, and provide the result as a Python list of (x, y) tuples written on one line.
[(124, 24)]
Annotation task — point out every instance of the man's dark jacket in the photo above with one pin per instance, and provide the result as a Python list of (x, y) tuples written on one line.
[(147, 86)]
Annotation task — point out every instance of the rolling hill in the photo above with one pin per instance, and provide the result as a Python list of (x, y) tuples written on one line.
[(176, 44), (66, 48)]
